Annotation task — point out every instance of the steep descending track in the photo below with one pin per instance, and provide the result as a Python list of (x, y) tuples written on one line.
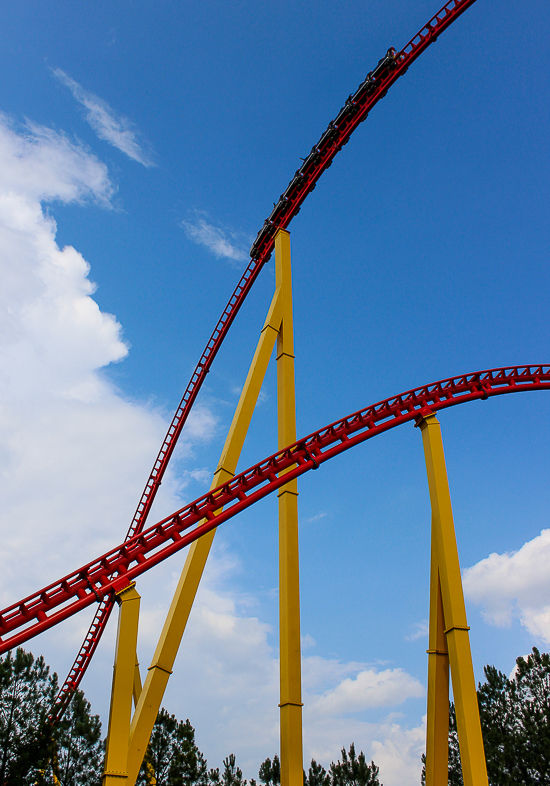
[(354, 111), (114, 570)]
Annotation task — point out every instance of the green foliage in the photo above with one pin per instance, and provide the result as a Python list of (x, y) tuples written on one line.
[(353, 770), (173, 754), (317, 775), (270, 772), (78, 758), (26, 694), (232, 775), (515, 722), (515, 717)]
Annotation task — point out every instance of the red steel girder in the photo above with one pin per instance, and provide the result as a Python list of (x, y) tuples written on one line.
[(115, 569), (354, 111)]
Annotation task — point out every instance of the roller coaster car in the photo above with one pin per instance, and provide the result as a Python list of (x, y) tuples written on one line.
[(387, 63), (318, 151), (262, 238)]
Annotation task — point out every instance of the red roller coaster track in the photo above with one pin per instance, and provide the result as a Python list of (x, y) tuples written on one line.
[(113, 571), (354, 111)]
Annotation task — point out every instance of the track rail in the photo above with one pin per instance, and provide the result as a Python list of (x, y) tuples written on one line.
[(355, 110), (115, 569)]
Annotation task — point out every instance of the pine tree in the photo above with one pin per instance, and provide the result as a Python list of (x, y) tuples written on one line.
[(78, 751), (532, 687), (317, 775), (173, 755), (26, 694), (353, 770), (232, 775), (270, 772), (214, 777)]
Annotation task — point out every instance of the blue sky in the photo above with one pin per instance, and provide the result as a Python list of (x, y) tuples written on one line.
[(142, 147)]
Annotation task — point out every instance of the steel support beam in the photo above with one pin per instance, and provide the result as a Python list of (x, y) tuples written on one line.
[(456, 628), (116, 753), (437, 731), (289, 583)]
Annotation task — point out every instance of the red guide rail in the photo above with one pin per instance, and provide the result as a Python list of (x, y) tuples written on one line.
[(355, 110), (114, 570)]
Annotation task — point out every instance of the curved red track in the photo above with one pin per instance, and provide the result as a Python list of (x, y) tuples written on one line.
[(114, 570), (354, 111)]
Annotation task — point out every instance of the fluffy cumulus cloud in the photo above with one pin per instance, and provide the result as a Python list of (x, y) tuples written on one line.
[(222, 242), (108, 124), (370, 688), (515, 585), (74, 453)]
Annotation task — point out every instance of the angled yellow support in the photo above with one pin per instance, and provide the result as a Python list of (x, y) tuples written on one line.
[(453, 610), (289, 571), (163, 660), (437, 731), (136, 688), (116, 754)]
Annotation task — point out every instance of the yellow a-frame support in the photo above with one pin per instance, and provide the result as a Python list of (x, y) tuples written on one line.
[(449, 642), (127, 740)]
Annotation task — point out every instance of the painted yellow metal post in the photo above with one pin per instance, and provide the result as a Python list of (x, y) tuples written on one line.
[(289, 589), (136, 689), (176, 621), (116, 754), (454, 611), (437, 727)]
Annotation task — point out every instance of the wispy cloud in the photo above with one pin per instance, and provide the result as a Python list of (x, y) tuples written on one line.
[(108, 124), (421, 629), (317, 517), (223, 242)]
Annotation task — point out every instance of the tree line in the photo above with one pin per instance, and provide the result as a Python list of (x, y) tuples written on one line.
[(514, 712)]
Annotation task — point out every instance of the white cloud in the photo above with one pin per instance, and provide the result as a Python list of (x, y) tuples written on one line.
[(369, 689), (74, 454), (397, 751), (220, 240), (40, 164), (108, 124), (317, 517), (514, 585), (421, 630)]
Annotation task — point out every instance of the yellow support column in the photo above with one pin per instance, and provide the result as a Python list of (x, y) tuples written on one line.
[(136, 690), (163, 660), (289, 587), (472, 754), (437, 727), (116, 753)]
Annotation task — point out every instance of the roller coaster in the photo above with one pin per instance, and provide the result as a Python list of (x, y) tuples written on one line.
[(110, 578)]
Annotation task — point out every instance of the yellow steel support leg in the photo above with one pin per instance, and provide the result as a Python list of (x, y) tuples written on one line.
[(176, 621), (136, 689), (116, 754), (472, 754), (289, 589), (437, 732)]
